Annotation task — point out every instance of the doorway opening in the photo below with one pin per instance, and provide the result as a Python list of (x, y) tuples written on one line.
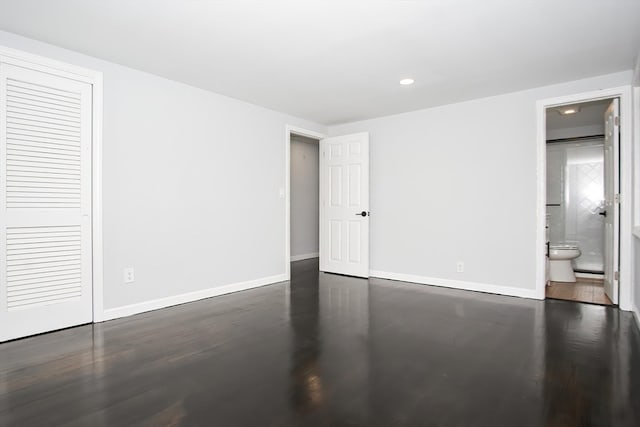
[(301, 194), (304, 198), (582, 215)]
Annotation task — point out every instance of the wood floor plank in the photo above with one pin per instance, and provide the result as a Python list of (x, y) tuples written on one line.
[(584, 290)]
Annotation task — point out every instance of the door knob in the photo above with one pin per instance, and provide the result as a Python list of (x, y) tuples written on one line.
[(363, 213), (603, 213)]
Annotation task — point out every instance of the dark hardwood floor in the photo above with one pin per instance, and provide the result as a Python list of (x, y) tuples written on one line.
[(333, 351)]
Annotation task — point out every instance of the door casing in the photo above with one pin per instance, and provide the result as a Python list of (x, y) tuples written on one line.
[(624, 187)]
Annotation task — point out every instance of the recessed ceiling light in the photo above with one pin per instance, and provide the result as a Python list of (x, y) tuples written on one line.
[(568, 110), (407, 82)]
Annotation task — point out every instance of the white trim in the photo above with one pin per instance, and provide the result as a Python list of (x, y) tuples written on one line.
[(457, 284), (636, 159), (41, 63), (95, 79), (305, 256), (96, 191), (626, 180), (636, 315), (287, 189), (156, 304)]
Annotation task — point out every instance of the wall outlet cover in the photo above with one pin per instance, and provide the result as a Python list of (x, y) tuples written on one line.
[(129, 275)]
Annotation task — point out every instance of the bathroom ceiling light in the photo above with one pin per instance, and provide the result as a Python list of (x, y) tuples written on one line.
[(407, 82)]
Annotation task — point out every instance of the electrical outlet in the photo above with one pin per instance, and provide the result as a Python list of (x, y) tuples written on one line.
[(129, 276), (460, 267)]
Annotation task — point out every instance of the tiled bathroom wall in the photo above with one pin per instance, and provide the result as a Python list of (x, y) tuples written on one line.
[(575, 198)]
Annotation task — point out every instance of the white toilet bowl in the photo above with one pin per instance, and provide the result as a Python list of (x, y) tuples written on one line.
[(560, 256)]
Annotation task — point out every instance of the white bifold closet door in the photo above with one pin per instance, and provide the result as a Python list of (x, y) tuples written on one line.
[(45, 205)]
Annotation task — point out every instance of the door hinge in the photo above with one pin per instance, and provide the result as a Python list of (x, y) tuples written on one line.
[(616, 276), (324, 154), (616, 198), (617, 121)]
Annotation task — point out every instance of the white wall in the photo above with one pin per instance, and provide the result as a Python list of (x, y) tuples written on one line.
[(186, 170), (191, 183), (575, 196), (304, 197), (458, 183)]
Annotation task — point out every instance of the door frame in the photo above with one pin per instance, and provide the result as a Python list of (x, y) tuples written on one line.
[(624, 93), (94, 78), (289, 129)]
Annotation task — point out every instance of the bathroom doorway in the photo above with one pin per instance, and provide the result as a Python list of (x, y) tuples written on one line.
[(582, 215)]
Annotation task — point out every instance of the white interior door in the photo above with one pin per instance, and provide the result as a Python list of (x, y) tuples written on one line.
[(45, 202), (344, 205), (611, 223)]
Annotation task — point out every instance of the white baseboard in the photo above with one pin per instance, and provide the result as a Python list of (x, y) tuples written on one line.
[(590, 275), (128, 310), (304, 256), (636, 315), (458, 284)]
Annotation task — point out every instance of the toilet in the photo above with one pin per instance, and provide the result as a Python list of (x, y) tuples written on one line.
[(560, 257)]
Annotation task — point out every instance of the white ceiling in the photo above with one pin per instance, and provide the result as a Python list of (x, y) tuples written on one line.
[(337, 61)]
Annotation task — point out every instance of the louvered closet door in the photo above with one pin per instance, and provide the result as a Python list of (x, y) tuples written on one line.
[(45, 206)]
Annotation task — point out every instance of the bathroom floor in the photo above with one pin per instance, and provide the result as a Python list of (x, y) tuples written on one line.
[(584, 290)]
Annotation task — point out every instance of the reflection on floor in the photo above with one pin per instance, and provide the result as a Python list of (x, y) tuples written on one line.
[(328, 350), (584, 290)]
